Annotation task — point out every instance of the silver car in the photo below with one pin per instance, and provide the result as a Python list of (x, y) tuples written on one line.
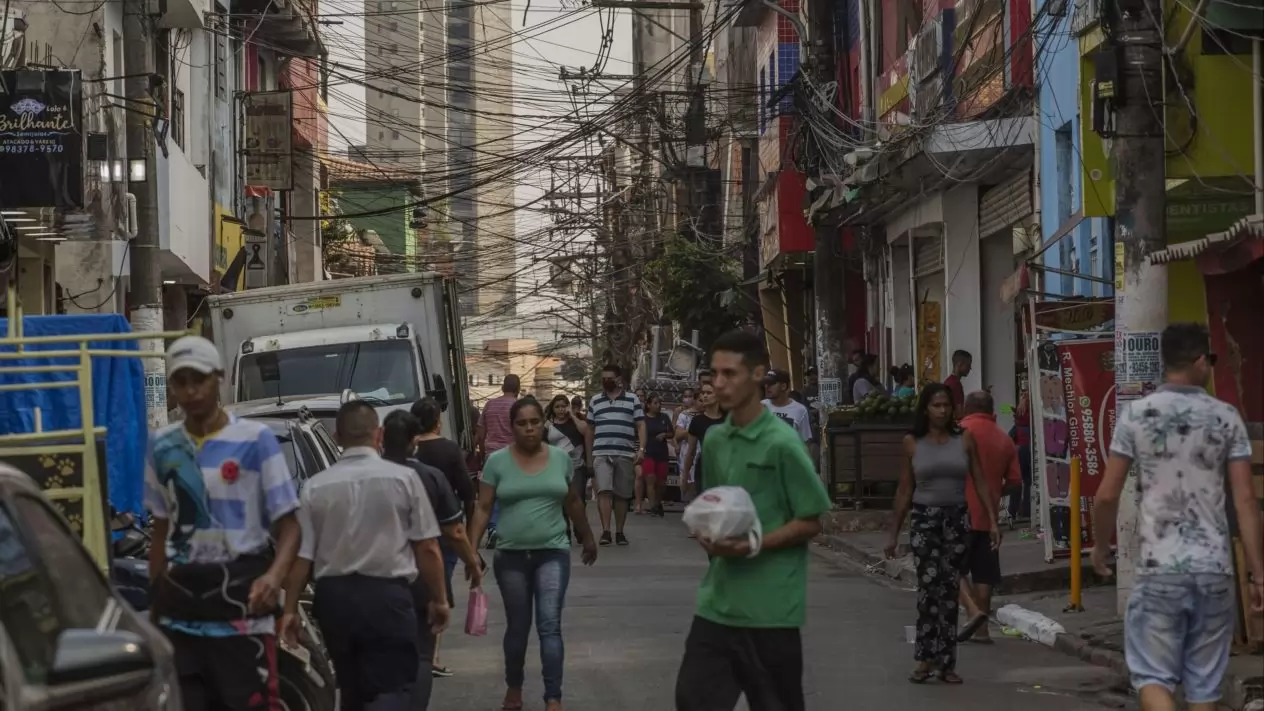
[(67, 641)]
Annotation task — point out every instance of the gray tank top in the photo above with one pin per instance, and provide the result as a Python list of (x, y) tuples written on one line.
[(940, 472)]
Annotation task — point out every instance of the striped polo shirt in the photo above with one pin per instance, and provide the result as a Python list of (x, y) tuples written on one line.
[(614, 424)]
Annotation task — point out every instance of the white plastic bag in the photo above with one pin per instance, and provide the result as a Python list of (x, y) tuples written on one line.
[(724, 512)]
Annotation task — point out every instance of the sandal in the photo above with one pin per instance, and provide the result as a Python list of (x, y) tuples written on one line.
[(950, 677), (920, 676)]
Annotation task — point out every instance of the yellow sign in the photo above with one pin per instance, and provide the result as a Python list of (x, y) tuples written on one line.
[(229, 240), (317, 303), (1119, 266)]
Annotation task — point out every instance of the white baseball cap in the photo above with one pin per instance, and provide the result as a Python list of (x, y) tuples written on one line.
[(194, 353)]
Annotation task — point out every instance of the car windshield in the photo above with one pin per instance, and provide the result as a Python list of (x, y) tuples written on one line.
[(381, 370)]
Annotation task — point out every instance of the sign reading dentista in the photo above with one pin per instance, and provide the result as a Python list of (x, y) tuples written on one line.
[(41, 139)]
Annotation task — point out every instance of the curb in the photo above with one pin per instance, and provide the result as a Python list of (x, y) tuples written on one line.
[(900, 569), (1244, 694), (1050, 633)]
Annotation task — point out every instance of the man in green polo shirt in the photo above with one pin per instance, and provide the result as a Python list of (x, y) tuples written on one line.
[(745, 635)]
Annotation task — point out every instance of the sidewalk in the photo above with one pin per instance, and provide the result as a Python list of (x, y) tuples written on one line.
[(1096, 635), (1032, 598)]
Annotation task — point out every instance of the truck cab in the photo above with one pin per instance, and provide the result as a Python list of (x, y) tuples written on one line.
[(388, 340)]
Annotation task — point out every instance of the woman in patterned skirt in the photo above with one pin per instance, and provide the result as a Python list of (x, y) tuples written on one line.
[(940, 461)]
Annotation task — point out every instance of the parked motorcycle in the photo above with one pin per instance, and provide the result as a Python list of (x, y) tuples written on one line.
[(305, 673)]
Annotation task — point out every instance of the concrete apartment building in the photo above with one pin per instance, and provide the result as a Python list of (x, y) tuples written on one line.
[(453, 123)]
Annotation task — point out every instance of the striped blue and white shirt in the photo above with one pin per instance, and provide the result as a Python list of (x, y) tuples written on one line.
[(614, 422), (225, 513)]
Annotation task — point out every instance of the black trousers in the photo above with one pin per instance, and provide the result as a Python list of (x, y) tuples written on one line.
[(370, 627), (722, 663), (425, 647), (222, 673)]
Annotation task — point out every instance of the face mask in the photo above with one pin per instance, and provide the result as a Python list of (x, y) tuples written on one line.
[(609, 383)]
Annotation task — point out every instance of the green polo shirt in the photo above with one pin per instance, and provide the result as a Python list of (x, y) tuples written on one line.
[(770, 461)]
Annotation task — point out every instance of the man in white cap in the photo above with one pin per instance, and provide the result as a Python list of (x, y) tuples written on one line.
[(220, 493)]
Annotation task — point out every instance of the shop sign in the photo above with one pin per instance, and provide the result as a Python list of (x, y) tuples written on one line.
[(269, 137), (41, 139), (1204, 216), (1072, 315), (1077, 411)]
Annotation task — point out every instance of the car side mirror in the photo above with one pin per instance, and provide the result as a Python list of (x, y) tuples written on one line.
[(439, 393), (122, 659)]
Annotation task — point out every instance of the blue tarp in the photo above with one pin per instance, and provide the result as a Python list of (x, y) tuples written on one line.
[(118, 396)]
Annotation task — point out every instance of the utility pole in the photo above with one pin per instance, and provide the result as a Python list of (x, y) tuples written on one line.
[(145, 298), (1140, 214), (828, 265)]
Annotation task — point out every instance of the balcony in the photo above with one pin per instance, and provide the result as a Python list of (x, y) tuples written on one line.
[(184, 220), (184, 14), (285, 25)]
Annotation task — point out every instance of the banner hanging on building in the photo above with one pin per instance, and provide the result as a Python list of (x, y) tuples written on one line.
[(268, 139), (41, 139), (1077, 413)]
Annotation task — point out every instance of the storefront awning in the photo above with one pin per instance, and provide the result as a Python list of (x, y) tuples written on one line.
[(1220, 252)]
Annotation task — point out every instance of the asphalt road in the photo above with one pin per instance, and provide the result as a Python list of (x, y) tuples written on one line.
[(626, 618)]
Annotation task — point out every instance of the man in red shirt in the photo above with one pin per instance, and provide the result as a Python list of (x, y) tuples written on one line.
[(999, 459), (962, 363), (495, 432)]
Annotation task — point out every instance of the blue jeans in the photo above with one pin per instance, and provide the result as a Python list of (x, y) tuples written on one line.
[(1178, 630), (491, 522), (534, 581)]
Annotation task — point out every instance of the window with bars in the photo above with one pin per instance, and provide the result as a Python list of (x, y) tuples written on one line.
[(177, 117), (221, 66)]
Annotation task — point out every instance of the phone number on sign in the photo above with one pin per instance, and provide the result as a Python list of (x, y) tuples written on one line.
[(32, 148)]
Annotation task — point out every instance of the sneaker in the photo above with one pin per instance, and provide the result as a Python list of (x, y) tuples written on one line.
[(620, 539), (605, 538), (440, 672), (491, 540)]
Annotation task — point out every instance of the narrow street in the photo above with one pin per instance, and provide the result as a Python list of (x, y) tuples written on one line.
[(625, 625)]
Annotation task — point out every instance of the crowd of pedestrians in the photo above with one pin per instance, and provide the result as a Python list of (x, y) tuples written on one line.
[(378, 534)]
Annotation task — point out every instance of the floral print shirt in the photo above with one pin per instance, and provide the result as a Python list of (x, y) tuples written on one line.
[(1181, 439)]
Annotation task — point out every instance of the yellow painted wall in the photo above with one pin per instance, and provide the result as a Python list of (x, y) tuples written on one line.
[(1221, 142), (1186, 295), (229, 239)]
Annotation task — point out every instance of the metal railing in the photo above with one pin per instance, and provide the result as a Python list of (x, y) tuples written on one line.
[(81, 441)]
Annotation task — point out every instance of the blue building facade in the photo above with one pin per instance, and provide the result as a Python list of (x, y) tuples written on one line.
[(1088, 248)]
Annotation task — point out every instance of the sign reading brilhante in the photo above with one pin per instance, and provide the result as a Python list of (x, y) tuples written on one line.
[(268, 142), (41, 139)]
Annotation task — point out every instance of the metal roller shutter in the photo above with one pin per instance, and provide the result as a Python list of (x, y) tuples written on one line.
[(928, 256), (1005, 204)]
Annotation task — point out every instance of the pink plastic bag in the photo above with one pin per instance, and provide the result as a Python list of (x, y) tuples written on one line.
[(476, 613)]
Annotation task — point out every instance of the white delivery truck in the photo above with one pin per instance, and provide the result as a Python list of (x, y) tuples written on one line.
[(389, 339)]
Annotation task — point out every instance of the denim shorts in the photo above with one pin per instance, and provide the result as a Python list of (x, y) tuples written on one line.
[(1178, 630)]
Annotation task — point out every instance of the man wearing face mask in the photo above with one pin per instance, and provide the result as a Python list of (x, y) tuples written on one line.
[(614, 443)]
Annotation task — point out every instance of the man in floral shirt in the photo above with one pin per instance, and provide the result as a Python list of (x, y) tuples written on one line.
[(1179, 620)]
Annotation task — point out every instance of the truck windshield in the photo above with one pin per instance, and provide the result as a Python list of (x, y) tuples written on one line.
[(382, 370)]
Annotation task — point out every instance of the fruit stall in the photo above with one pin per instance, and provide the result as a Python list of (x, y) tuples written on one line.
[(866, 449)]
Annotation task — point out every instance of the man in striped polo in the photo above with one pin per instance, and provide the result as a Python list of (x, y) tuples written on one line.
[(615, 443)]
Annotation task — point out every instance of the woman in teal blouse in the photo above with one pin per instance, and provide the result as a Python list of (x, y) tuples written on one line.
[(530, 480)]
